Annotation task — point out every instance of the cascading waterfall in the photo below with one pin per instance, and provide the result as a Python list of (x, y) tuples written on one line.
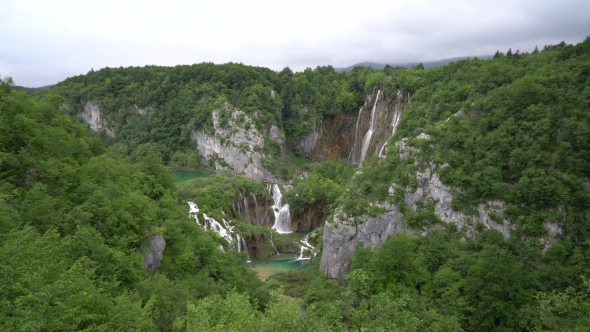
[(193, 209), (226, 230), (305, 246), (282, 215), (369, 134), (256, 209), (397, 115), (354, 153)]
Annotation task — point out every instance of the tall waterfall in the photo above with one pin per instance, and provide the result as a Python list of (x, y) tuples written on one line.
[(369, 134), (246, 215), (243, 247), (397, 115), (354, 152), (256, 209), (282, 215)]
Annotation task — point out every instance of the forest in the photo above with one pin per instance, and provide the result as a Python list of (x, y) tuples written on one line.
[(78, 209)]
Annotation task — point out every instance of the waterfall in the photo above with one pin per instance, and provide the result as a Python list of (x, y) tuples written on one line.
[(243, 247), (256, 209), (354, 153), (273, 244), (193, 209), (397, 115), (282, 215), (240, 209), (369, 134), (305, 245), (246, 214), (225, 231)]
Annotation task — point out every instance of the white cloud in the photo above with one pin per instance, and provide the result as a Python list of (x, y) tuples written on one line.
[(44, 42)]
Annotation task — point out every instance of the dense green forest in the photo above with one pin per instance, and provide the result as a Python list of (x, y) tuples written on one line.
[(77, 212)]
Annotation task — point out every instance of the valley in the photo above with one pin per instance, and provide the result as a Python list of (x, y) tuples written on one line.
[(453, 198)]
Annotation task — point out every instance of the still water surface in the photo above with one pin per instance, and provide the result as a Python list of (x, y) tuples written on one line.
[(182, 176), (267, 268)]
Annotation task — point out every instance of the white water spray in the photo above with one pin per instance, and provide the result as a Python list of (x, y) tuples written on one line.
[(397, 115), (354, 152), (305, 246), (369, 134), (246, 209), (226, 230), (282, 215)]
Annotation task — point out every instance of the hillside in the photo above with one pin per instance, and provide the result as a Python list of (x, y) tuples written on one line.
[(451, 198)]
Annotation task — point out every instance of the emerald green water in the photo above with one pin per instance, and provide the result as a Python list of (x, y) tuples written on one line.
[(182, 176), (267, 268)]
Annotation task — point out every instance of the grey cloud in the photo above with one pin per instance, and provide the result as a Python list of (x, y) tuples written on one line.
[(36, 55)]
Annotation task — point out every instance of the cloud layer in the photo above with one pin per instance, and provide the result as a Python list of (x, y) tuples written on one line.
[(44, 42)]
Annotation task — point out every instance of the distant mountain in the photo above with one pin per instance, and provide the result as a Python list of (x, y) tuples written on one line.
[(31, 90), (428, 64)]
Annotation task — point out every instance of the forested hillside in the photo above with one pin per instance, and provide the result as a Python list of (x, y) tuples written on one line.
[(75, 221), (469, 209)]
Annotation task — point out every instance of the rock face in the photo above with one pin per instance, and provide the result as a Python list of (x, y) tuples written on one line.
[(331, 140), (92, 116), (154, 253), (235, 147), (309, 218), (341, 237), (341, 136), (309, 144), (254, 209)]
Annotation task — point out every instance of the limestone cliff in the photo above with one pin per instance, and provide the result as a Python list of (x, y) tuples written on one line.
[(254, 209), (342, 236), (308, 219), (235, 144), (93, 117), (342, 136)]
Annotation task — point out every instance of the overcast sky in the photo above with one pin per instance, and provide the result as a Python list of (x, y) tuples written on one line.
[(43, 42)]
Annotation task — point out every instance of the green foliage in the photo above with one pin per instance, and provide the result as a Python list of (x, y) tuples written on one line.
[(324, 184), (565, 311), (76, 220), (513, 128)]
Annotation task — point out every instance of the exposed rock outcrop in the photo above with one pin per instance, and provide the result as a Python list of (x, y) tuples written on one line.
[(254, 209), (342, 236), (92, 116), (340, 136), (260, 247), (154, 253), (232, 146), (308, 219)]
